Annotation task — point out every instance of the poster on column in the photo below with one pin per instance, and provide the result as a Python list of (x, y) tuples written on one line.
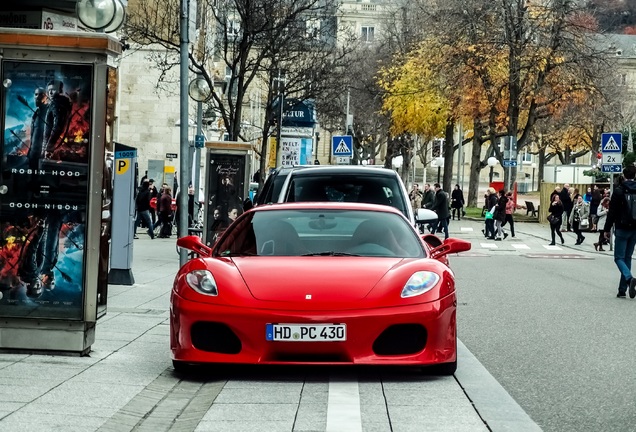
[(45, 152), (226, 187)]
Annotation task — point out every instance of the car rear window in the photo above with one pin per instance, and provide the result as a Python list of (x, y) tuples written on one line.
[(346, 188)]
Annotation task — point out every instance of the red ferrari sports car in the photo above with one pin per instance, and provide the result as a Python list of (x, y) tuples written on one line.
[(317, 283)]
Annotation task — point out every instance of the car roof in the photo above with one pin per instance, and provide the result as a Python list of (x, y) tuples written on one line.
[(305, 205), (345, 169)]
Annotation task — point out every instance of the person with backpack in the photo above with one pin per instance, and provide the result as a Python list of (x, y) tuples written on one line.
[(622, 216)]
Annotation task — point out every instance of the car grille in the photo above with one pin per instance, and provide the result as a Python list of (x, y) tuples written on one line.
[(215, 337), (401, 339)]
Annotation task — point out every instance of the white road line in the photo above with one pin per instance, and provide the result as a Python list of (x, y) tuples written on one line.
[(343, 408), (554, 248), (488, 245), (520, 246), (466, 229)]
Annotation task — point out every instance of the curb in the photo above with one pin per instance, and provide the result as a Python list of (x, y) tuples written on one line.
[(498, 410)]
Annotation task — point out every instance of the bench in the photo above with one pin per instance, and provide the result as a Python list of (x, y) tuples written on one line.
[(530, 209)]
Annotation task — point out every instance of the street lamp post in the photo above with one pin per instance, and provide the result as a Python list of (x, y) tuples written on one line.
[(534, 166), (183, 109), (280, 87), (492, 161), (439, 162), (199, 90)]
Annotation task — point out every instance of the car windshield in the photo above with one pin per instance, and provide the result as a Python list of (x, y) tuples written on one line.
[(320, 232), (371, 189)]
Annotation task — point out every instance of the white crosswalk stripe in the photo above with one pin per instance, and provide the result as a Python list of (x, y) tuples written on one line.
[(554, 248), (466, 229), (520, 246), (488, 245)]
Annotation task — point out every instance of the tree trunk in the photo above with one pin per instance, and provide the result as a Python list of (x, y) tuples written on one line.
[(475, 165), (541, 165), (449, 148)]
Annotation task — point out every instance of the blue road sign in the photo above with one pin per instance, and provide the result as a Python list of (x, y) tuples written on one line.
[(611, 143), (199, 141), (342, 145), (613, 168), (508, 163)]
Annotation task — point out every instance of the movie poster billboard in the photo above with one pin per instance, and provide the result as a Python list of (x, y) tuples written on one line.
[(45, 153), (226, 186)]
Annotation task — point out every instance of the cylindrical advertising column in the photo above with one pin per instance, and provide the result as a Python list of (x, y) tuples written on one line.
[(53, 119)]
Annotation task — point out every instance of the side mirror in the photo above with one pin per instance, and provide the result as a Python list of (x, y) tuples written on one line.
[(432, 240), (450, 245), (425, 216), (194, 244)]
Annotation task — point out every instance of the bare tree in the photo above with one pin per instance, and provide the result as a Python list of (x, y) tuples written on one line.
[(243, 43)]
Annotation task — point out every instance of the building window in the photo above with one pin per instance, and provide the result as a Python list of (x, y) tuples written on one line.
[(233, 28), (312, 29), (623, 79), (526, 157), (368, 34), (368, 7)]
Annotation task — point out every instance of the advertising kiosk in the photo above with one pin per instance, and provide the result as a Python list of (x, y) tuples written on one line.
[(53, 106)]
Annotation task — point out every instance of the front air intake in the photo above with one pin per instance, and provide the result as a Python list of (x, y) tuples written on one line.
[(215, 337), (401, 339)]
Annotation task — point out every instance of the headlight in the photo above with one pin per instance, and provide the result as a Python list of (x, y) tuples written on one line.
[(202, 281), (419, 283)]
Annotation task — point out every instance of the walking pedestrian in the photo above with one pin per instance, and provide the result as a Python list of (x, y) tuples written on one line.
[(142, 204), (415, 195), (510, 209), (441, 208), (500, 216), (165, 213), (554, 218), (601, 213), (457, 202), (428, 201), (622, 216), (579, 218), (566, 200), (595, 202)]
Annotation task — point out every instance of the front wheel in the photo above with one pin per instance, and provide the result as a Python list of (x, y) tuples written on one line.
[(181, 367), (445, 369)]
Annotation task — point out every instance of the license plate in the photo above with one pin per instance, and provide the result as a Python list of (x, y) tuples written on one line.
[(306, 332)]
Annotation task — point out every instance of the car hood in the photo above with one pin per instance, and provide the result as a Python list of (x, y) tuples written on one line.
[(319, 279)]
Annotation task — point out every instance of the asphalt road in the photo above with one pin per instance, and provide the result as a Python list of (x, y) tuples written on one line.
[(551, 331)]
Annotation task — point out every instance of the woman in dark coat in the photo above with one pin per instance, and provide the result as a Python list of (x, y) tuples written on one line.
[(500, 215), (165, 214), (555, 217), (457, 202)]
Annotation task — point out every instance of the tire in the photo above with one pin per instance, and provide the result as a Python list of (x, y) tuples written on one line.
[(181, 367), (445, 369)]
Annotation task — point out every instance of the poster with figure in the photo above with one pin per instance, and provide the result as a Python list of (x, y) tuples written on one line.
[(226, 191), (45, 152)]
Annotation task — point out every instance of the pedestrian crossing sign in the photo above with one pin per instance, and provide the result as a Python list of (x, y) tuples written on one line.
[(611, 143), (342, 145)]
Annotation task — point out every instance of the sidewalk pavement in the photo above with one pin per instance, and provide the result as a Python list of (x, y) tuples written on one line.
[(127, 382)]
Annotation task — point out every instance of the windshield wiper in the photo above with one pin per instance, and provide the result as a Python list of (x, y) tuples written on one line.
[(329, 253)]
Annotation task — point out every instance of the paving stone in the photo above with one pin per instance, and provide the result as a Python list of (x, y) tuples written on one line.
[(253, 426), (246, 396), (249, 412)]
